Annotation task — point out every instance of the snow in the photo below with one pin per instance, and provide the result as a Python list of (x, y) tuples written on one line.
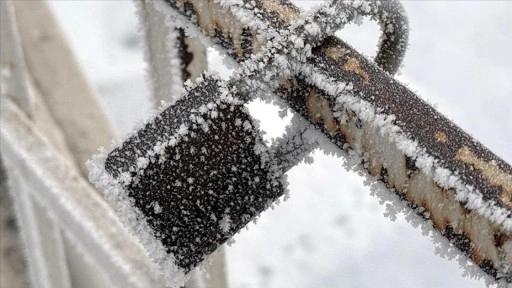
[(225, 224), (321, 236)]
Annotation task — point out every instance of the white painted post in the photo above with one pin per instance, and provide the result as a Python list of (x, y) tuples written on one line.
[(70, 235), (57, 76), (42, 238), (91, 227)]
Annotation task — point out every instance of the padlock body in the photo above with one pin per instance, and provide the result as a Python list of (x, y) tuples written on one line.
[(198, 173)]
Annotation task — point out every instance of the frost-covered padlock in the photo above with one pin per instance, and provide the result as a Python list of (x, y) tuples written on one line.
[(191, 177)]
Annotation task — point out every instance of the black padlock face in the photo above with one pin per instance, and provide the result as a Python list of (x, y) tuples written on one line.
[(198, 173)]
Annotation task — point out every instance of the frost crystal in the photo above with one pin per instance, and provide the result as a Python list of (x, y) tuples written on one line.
[(225, 224)]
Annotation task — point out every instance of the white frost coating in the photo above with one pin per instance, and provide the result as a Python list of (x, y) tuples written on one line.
[(364, 110), (425, 162), (225, 224), (142, 163), (157, 208), (134, 220)]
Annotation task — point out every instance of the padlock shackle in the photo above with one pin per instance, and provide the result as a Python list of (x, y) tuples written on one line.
[(394, 27)]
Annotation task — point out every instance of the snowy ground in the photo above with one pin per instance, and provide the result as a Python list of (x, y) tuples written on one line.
[(332, 233)]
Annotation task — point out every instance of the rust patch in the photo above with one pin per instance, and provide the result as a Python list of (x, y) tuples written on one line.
[(217, 25), (290, 83), (336, 53), (441, 224), (349, 136), (490, 170), (441, 136), (352, 65), (285, 12), (320, 112), (500, 238)]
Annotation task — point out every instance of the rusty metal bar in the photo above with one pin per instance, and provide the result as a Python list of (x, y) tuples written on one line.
[(441, 172)]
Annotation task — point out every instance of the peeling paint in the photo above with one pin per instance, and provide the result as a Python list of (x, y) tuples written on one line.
[(320, 112), (490, 171), (336, 53), (285, 12), (441, 136), (352, 65)]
